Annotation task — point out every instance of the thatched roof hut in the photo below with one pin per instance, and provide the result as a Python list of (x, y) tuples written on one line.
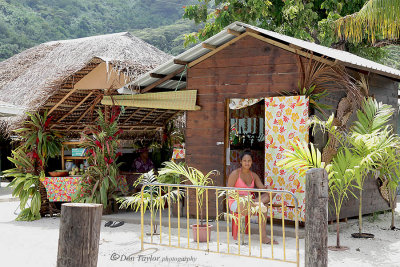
[(69, 78)]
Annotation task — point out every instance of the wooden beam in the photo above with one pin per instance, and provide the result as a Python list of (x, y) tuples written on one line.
[(209, 54), (130, 117), (209, 46), (62, 100), (148, 114), (160, 76), (159, 117), (295, 47), (84, 113), (233, 32), (160, 81), (249, 30), (291, 49), (180, 62), (121, 126), (74, 108)]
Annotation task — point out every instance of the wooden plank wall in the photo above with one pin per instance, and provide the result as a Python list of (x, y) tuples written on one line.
[(248, 68), (251, 68)]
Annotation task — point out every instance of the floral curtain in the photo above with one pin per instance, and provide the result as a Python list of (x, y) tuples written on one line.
[(285, 121), (238, 103)]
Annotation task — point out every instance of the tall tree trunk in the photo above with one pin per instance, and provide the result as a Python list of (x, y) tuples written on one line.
[(360, 213), (337, 231)]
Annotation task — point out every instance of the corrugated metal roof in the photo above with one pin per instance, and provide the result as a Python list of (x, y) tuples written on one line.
[(345, 58)]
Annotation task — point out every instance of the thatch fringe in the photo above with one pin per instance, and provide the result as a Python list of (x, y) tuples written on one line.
[(31, 77)]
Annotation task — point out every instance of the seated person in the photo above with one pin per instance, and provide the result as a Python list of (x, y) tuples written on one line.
[(143, 163), (245, 178)]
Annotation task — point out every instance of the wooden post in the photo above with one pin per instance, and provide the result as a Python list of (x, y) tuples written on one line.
[(316, 217), (78, 243)]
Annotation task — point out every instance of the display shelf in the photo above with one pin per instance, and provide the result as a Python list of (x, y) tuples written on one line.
[(63, 157)]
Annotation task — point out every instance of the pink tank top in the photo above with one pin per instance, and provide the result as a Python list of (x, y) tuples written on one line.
[(241, 184)]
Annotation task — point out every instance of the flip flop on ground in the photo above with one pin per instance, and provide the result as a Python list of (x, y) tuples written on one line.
[(116, 224)]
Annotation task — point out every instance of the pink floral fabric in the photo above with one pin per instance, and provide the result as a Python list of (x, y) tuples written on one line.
[(63, 188)]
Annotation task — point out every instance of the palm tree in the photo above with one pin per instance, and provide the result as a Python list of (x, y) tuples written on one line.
[(367, 147), (378, 19), (341, 173)]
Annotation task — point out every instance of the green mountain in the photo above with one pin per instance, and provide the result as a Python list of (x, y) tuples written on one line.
[(25, 23)]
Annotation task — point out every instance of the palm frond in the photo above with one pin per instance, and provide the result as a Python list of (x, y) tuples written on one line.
[(378, 19), (302, 158), (372, 117)]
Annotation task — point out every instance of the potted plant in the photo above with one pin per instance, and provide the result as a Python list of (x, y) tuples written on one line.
[(196, 177), (154, 199), (172, 178)]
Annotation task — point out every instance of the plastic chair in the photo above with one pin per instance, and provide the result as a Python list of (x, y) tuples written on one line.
[(235, 226)]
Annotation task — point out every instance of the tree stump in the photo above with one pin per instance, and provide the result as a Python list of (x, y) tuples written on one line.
[(78, 243), (316, 217)]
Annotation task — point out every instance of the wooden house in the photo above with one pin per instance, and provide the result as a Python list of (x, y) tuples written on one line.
[(246, 63)]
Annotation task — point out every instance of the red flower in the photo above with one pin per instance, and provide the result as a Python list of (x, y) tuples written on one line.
[(118, 154), (120, 131), (97, 142), (37, 140), (47, 122)]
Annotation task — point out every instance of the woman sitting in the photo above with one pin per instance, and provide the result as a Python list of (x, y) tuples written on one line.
[(245, 178)]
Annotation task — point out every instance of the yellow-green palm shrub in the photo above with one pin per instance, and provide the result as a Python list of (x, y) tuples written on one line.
[(363, 150), (195, 176), (154, 197), (341, 172)]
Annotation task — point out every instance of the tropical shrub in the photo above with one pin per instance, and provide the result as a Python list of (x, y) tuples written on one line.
[(195, 176), (99, 182), (37, 143), (365, 148), (154, 197)]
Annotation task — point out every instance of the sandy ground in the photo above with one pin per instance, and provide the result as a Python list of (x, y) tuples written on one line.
[(35, 244)]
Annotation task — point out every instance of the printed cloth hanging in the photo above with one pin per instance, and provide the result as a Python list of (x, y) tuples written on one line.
[(178, 153), (238, 103), (285, 121)]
